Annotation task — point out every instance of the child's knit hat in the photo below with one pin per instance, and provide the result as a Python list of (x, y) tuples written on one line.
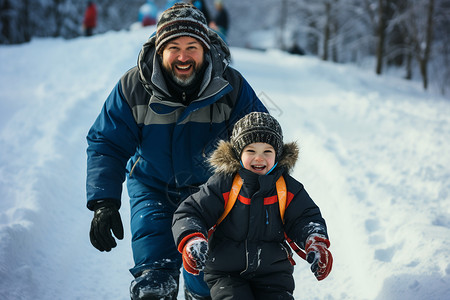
[(182, 19), (257, 127)]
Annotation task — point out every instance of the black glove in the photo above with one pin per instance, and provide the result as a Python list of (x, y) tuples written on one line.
[(106, 218)]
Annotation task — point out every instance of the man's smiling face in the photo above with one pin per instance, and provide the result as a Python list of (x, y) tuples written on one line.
[(182, 58)]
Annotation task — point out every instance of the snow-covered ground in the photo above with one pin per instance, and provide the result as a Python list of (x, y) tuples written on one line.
[(375, 156)]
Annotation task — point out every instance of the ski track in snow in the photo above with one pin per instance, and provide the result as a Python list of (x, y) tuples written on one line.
[(374, 155)]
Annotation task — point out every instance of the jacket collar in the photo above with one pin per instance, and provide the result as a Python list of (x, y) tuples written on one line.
[(151, 76)]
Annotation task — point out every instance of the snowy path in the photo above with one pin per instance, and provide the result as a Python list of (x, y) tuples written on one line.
[(374, 156)]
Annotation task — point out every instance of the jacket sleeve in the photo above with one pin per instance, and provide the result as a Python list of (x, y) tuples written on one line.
[(303, 217), (112, 140), (200, 211)]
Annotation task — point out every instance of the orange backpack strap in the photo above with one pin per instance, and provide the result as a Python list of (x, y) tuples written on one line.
[(282, 196), (282, 201), (236, 187), (234, 193)]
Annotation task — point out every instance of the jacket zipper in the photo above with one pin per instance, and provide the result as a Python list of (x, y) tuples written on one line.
[(134, 165)]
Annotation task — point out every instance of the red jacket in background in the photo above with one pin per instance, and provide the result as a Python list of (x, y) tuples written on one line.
[(90, 16)]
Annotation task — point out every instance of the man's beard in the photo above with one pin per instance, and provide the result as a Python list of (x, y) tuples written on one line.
[(184, 80)]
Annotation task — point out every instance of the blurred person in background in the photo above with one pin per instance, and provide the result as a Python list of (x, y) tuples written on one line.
[(220, 23), (148, 13), (200, 4), (90, 19)]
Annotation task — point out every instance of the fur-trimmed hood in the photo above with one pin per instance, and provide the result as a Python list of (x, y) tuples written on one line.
[(224, 160)]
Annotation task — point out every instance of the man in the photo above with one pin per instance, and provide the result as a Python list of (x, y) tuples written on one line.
[(157, 127)]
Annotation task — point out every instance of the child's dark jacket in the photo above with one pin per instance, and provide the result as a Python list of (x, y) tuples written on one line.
[(251, 237)]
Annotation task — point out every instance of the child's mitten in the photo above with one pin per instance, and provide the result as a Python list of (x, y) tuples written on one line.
[(318, 255), (195, 253)]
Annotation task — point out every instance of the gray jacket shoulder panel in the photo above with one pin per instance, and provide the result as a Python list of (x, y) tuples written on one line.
[(135, 94), (132, 89)]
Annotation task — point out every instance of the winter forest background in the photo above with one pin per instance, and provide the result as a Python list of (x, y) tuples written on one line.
[(410, 35)]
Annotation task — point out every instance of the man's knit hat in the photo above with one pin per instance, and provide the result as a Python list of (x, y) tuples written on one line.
[(182, 19), (257, 127)]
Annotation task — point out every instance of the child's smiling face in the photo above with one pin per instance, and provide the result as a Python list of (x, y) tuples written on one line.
[(258, 157)]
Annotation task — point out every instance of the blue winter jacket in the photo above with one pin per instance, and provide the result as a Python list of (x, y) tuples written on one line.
[(145, 132)]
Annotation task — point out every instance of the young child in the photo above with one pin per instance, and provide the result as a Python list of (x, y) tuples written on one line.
[(247, 256)]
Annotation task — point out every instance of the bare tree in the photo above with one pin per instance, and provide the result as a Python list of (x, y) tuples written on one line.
[(283, 20), (331, 33), (326, 31), (14, 22), (440, 58), (423, 55), (419, 29), (381, 34)]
